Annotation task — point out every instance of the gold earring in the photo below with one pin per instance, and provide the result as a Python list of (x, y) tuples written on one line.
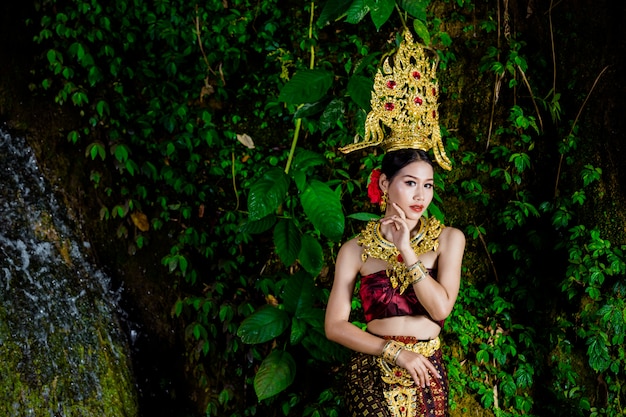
[(383, 202)]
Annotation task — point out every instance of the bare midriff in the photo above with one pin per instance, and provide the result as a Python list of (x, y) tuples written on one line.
[(420, 327)]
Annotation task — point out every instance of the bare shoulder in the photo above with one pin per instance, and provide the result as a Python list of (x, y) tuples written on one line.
[(350, 248), (349, 258), (451, 236)]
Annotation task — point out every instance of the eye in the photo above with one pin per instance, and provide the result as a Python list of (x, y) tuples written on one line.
[(411, 183), (428, 185)]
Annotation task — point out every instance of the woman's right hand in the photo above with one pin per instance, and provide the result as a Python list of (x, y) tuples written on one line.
[(418, 365)]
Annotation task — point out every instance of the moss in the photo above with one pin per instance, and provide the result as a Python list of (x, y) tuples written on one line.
[(110, 387)]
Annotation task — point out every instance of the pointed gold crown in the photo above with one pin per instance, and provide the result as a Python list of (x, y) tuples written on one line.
[(404, 99)]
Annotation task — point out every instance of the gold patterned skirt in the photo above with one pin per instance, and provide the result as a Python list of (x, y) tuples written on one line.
[(375, 388)]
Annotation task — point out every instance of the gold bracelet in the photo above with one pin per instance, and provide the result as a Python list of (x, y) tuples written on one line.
[(417, 272), (412, 267), (391, 351)]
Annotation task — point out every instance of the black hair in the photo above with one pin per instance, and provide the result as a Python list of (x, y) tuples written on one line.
[(394, 161)]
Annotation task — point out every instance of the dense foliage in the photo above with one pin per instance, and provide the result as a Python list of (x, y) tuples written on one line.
[(215, 125)]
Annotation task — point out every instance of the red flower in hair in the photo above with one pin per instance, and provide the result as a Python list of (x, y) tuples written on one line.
[(373, 190)]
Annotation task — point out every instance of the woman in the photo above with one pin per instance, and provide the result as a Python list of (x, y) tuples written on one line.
[(409, 269)]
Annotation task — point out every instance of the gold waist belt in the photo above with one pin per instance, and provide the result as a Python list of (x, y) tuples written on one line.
[(393, 374)]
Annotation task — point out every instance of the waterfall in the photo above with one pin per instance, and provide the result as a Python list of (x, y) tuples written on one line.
[(62, 350)]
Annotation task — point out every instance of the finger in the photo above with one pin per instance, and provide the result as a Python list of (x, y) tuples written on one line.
[(432, 369), (415, 377), (401, 212), (424, 377)]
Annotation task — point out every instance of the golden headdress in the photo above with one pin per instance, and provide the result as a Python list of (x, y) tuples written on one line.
[(404, 99)]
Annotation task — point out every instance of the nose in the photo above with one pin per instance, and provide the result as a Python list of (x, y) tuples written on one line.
[(419, 194)]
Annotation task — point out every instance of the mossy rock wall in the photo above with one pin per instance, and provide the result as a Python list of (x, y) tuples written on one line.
[(62, 349)]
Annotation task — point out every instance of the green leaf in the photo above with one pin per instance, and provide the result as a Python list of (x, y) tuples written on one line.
[(311, 255), (366, 217), (306, 86), (298, 330), (120, 151), (299, 177), (436, 212), (267, 193), (422, 31), (323, 207), (314, 317), (96, 149), (323, 349), (263, 325), (524, 377), (258, 226), (54, 57), (380, 10), (298, 294), (416, 8), (333, 115), (276, 373), (521, 161), (309, 109), (102, 107), (332, 10), (287, 241), (508, 387), (360, 90), (357, 11), (598, 352), (305, 159)]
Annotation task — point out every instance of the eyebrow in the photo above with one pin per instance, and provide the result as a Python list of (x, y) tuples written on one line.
[(417, 178)]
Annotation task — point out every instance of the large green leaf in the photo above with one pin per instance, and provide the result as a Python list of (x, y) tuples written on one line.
[(264, 324), (298, 294), (332, 10), (422, 31), (306, 86), (267, 193), (333, 114), (360, 90), (311, 255), (309, 109), (276, 373), (258, 226), (287, 241), (305, 159), (416, 8), (298, 330), (323, 207), (314, 317), (357, 11), (323, 349), (366, 217), (380, 10)]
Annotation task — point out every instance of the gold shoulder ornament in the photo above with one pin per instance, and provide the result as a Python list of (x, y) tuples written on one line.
[(376, 246)]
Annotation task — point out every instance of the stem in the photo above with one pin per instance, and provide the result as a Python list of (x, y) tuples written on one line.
[(296, 132), (294, 142), (234, 180), (401, 17), (558, 173)]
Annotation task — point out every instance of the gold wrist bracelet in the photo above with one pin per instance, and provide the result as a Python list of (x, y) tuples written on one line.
[(417, 272), (391, 351)]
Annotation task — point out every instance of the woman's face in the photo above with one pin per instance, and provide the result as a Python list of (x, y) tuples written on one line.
[(411, 189)]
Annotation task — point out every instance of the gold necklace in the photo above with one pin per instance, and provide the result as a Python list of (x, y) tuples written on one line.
[(376, 246)]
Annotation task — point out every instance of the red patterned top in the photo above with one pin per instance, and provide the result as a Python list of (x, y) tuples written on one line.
[(380, 300)]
